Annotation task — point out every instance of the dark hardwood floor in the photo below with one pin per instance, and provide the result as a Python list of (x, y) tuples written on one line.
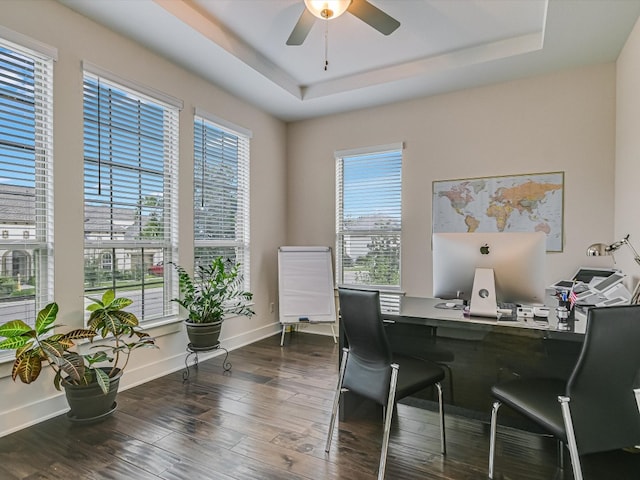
[(267, 419)]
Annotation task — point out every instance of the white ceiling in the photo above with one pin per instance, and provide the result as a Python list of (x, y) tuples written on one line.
[(440, 46)]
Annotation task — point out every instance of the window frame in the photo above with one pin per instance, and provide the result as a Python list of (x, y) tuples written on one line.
[(27, 163), (241, 241), (389, 294), (130, 252)]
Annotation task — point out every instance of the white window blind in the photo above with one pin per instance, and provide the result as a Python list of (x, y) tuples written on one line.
[(130, 194), (26, 195), (221, 193), (369, 221)]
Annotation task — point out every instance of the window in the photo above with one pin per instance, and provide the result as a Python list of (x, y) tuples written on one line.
[(221, 192), (130, 193), (107, 261), (26, 158), (369, 220)]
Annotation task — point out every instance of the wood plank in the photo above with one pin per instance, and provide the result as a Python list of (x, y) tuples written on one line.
[(268, 419)]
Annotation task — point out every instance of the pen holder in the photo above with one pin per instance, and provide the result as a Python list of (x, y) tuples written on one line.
[(567, 304), (563, 314)]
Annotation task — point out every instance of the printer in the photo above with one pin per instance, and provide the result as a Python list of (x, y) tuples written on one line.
[(595, 287)]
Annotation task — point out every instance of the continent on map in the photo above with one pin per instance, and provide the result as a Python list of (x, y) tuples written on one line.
[(462, 194), (500, 213), (543, 227), (524, 197), (459, 196), (471, 222)]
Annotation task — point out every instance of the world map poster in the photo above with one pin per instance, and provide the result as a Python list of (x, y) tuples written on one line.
[(517, 203)]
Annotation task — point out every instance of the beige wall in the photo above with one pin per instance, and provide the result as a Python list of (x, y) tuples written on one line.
[(78, 39), (627, 179), (559, 122)]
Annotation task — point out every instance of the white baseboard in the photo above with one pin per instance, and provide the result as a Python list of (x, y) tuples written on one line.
[(32, 413)]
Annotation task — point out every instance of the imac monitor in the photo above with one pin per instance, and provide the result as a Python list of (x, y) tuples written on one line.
[(517, 261)]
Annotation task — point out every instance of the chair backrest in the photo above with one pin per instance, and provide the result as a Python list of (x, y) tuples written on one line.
[(368, 370), (603, 405)]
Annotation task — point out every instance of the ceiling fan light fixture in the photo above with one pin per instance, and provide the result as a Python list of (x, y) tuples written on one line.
[(327, 9)]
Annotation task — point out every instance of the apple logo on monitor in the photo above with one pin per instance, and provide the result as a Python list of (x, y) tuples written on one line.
[(484, 249)]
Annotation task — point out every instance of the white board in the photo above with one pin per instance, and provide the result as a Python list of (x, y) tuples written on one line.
[(306, 289)]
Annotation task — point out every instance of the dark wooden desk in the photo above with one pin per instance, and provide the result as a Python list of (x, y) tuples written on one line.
[(478, 352)]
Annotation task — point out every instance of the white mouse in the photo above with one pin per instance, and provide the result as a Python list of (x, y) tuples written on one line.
[(449, 304)]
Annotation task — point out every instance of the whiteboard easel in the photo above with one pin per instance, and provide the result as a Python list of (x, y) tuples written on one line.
[(306, 288)]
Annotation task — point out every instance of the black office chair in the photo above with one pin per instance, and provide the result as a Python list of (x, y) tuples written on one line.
[(596, 409), (421, 342), (369, 369)]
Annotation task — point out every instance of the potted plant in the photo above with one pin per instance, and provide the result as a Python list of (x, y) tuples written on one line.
[(90, 387), (213, 293), (121, 335)]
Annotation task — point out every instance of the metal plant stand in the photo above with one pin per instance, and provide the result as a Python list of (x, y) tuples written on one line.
[(191, 350)]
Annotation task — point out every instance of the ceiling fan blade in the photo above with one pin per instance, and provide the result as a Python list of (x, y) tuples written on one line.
[(302, 28), (373, 16)]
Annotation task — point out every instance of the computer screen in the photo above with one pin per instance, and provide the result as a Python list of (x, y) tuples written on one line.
[(517, 260)]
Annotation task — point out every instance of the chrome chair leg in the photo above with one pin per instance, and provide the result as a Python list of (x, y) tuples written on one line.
[(336, 399), (492, 443), (571, 437), (443, 444), (387, 421), (450, 374)]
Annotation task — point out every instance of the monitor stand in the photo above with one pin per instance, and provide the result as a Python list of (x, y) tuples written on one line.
[(483, 296)]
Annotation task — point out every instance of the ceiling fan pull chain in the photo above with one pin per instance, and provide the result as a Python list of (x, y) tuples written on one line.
[(326, 45)]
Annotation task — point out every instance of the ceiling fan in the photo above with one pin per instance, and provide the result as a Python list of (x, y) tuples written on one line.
[(327, 10)]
